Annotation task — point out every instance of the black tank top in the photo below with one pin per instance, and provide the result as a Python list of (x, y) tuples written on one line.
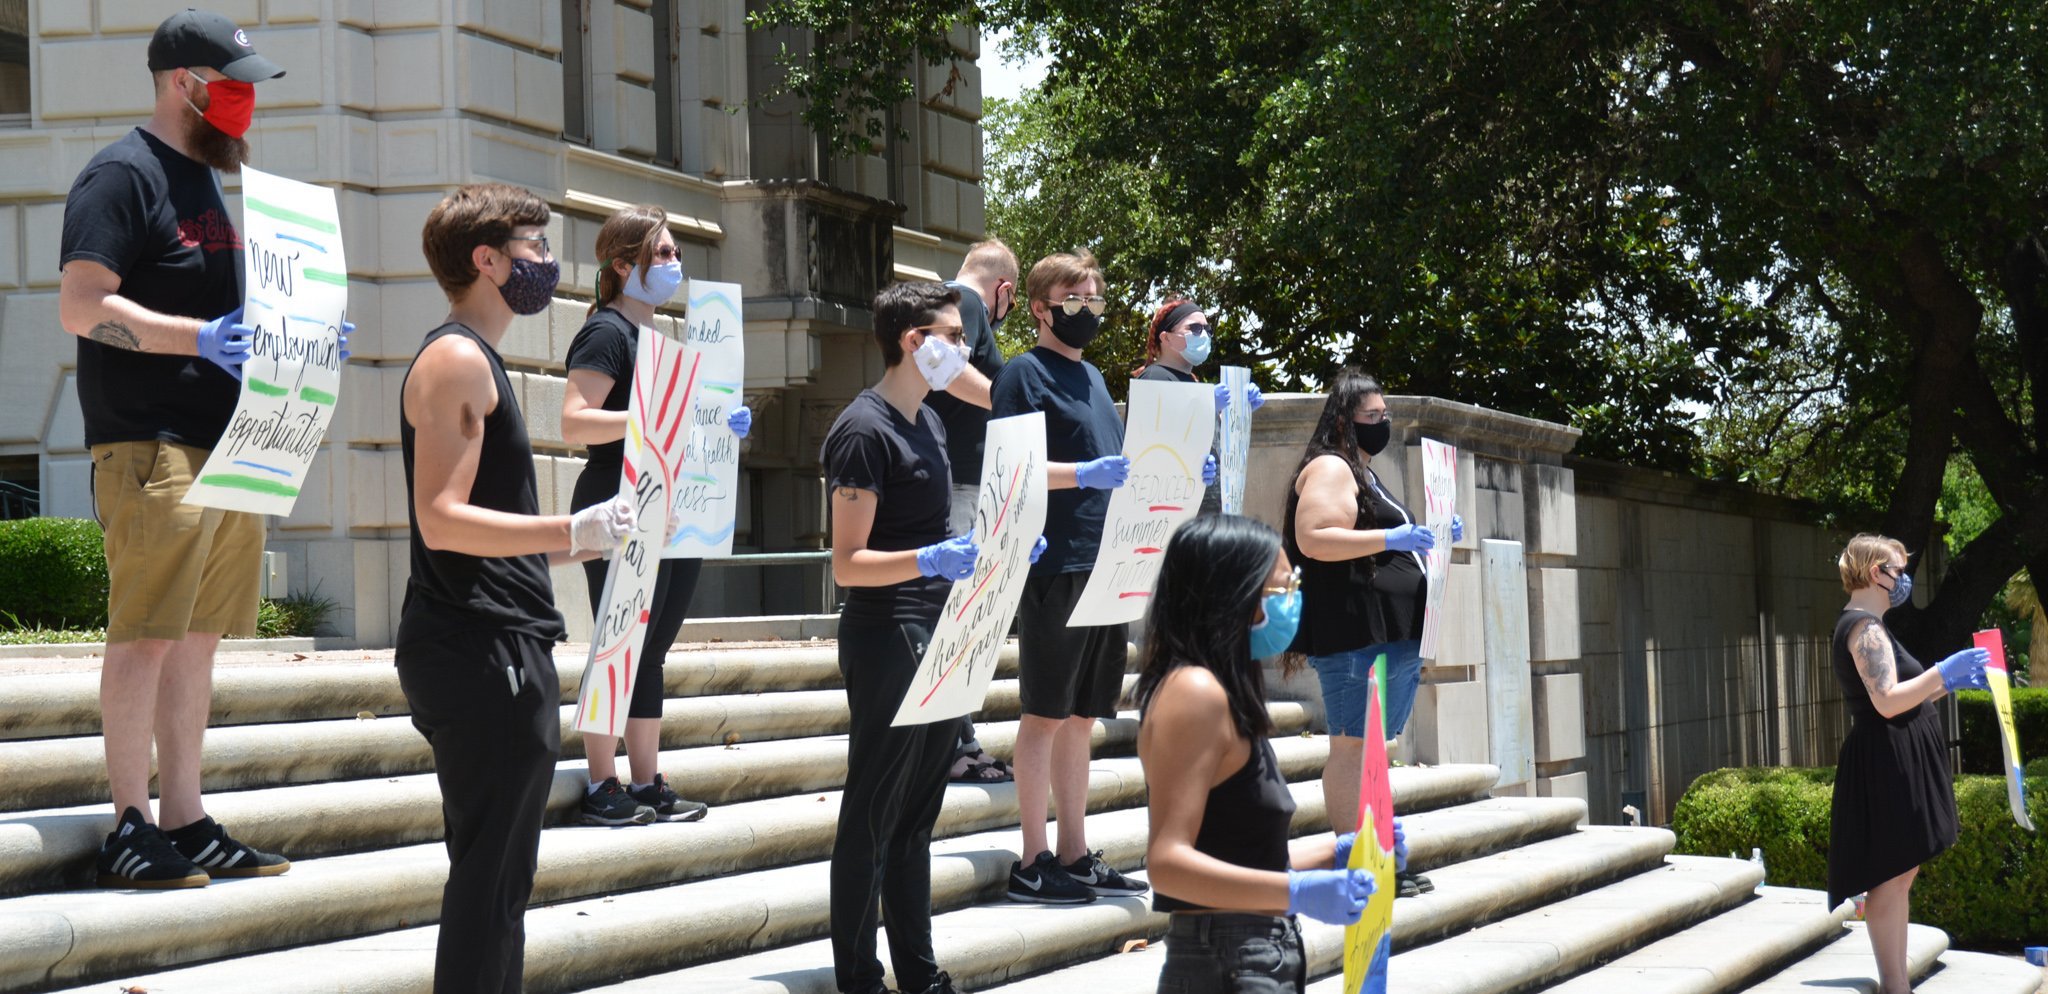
[(1359, 602), (1855, 695), (452, 591), (1247, 821)]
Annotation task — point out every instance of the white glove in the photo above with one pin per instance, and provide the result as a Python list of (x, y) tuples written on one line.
[(600, 527)]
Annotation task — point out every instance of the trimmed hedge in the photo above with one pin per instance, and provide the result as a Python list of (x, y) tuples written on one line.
[(1986, 890), (53, 573), (1979, 727)]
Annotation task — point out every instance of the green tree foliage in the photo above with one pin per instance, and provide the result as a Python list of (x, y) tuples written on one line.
[(1820, 224)]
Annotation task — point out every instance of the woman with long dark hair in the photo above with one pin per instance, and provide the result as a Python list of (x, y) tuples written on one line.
[(641, 271), (1219, 852), (1360, 552), (1894, 802)]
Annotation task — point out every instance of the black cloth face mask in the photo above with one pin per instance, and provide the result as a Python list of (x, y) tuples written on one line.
[(1075, 330), (1372, 439)]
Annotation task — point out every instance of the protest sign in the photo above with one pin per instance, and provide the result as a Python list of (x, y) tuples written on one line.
[(1234, 448), (1167, 431), (708, 480), (1368, 945), (1998, 675), (1440, 502), (664, 381), (1009, 515), (295, 284)]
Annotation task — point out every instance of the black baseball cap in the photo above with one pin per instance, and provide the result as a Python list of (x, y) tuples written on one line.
[(203, 38)]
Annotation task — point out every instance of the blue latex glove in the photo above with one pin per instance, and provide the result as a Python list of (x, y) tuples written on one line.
[(1334, 896), (952, 559), (741, 420), (1344, 849), (1037, 549), (1253, 397), (347, 328), (1106, 473), (1964, 669), (1400, 848), (224, 341), (1411, 538), (1209, 470), (1457, 528)]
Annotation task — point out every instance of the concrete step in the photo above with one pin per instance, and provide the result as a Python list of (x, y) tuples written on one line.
[(1558, 939), (1846, 965), (56, 847), (56, 772), (40, 705), (1981, 973), (1724, 953)]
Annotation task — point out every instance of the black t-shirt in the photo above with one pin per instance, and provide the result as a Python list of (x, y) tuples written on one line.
[(1080, 424), (966, 424), (155, 218), (607, 344), (873, 447), (1165, 373)]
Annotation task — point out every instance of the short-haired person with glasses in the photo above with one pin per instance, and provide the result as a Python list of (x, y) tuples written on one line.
[(478, 627), (886, 465), (1069, 677), (1361, 555)]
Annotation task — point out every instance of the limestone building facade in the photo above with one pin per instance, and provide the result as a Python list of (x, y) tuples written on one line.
[(593, 104)]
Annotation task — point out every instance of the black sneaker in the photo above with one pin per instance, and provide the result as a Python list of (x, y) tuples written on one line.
[(665, 802), (207, 843), (610, 805), (1412, 884), (942, 984), (1101, 879), (136, 854), (1044, 882)]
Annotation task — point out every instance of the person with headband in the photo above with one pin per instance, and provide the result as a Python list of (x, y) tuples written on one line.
[(1894, 799), (640, 271), (1176, 341), (887, 471), (1219, 848)]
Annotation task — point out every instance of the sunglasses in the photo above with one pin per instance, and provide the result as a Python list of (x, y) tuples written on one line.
[(1074, 302)]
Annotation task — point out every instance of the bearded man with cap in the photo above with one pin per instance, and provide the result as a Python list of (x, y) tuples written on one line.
[(152, 271)]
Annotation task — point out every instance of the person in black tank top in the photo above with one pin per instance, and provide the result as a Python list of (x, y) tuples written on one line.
[(1363, 583), (479, 620), (1894, 802)]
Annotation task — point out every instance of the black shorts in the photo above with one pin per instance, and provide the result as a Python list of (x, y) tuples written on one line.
[(1066, 672)]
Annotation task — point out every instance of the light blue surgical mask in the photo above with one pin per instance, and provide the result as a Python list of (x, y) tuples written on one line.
[(662, 283), (1272, 636), (1195, 350)]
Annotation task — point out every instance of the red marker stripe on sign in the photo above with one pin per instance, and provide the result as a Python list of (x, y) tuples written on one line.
[(1126, 595), (1147, 550), (1163, 507)]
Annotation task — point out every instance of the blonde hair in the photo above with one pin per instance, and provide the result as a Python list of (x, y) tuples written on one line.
[(991, 258), (1864, 551), (1060, 269), (630, 236)]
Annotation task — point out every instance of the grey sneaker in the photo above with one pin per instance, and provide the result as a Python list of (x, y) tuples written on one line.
[(667, 805), (610, 805)]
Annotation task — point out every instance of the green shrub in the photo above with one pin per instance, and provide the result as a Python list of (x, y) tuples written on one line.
[(53, 573), (1979, 727), (293, 616), (1984, 891)]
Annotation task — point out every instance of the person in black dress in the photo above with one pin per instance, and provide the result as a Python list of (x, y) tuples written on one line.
[(1894, 803), (1219, 849), (1361, 557)]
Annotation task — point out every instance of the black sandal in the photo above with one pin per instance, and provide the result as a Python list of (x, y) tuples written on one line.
[(976, 772)]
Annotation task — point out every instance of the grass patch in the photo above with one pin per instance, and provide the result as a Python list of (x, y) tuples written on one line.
[(297, 616)]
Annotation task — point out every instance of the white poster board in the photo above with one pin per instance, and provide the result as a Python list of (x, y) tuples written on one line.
[(708, 481), (1504, 610), (1009, 516), (664, 381), (1234, 438), (1167, 431), (295, 282), (1440, 502)]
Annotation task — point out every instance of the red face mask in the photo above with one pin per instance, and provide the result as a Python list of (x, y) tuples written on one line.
[(230, 106)]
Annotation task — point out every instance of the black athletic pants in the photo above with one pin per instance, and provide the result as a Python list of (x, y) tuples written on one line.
[(490, 706), (895, 785), (675, 581)]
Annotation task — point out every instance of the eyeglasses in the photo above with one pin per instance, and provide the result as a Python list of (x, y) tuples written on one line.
[(1892, 571), (542, 239), (1293, 584), (1074, 302), (1375, 417)]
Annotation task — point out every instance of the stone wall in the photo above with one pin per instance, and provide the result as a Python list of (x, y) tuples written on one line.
[(594, 104)]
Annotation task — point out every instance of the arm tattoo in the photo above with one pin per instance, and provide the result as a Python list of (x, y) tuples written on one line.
[(851, 494), (116, 334), (1873, 652)]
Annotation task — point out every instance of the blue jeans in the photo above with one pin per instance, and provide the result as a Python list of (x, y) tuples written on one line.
[(1232, 954), (1347, 677)]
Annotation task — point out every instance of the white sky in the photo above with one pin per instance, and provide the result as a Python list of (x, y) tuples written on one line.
[(1003, 79)]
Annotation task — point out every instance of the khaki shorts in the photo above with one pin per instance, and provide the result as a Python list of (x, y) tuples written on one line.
[(173, 568)]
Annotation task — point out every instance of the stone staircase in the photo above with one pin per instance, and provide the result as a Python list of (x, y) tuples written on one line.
[(314, 758)]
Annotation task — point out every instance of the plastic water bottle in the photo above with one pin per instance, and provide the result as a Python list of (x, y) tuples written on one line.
[(1756, 858)]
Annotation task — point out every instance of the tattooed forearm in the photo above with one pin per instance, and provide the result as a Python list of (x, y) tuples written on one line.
[(1873, 653), (116, 334)]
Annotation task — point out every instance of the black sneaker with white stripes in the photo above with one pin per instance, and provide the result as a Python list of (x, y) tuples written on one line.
[(1101, 879), (207, 843), (1044, 882), (667, 804), (136, 854)]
